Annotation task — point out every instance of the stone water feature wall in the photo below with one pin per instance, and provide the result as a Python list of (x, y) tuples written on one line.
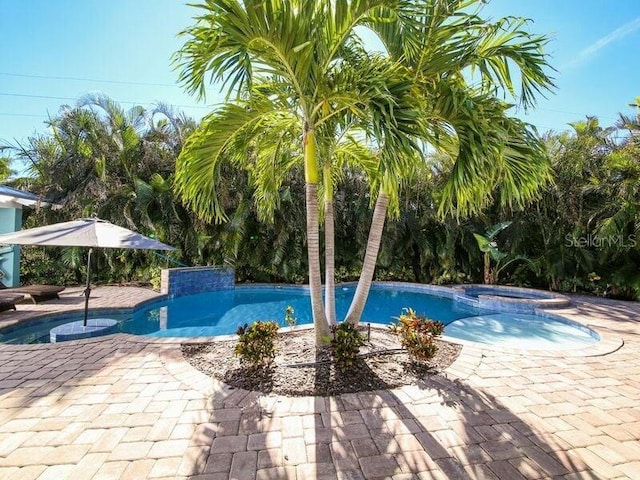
[(176, 282)]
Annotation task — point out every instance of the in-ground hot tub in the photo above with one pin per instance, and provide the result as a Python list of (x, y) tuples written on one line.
[(508, 299)]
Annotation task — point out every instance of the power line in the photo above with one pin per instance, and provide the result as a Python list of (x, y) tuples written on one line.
[(79, 79), (128, 82), (50, 97), (196, 106), (9, 114), (24, 95)]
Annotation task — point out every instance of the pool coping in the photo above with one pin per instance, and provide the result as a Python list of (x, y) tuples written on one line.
[(8, 323), (608, 343)]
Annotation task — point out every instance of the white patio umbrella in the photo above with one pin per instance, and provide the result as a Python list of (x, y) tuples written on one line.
[(85, 232)]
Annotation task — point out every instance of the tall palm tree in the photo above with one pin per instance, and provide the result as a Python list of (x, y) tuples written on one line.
[(99, 158), (438, 43), (450, 47), (341, 147), (631, 123), (294, 46), (620, 216)]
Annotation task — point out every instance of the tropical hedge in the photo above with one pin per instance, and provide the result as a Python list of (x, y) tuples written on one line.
[(580, 235)]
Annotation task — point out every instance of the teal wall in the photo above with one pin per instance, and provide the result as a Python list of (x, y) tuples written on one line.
[(10, 221)]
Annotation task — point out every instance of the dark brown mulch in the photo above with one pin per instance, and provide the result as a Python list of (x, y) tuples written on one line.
[(299, 370)]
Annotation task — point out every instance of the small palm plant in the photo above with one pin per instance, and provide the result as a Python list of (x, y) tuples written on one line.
[(489, 247)]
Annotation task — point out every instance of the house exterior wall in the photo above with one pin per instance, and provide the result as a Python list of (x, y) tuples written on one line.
[(10, 221)]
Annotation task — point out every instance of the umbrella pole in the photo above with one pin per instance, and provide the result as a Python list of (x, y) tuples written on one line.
[(87, 290)]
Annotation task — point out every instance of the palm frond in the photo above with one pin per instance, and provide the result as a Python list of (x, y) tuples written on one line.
[(232, 134)]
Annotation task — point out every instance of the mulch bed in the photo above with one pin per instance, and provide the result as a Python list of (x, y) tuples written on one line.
[(299, 370)]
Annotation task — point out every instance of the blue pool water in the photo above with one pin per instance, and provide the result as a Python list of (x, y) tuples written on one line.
[(221, 312)]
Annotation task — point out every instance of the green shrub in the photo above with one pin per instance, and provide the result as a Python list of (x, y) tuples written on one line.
[(345, 345), (256, 343), (43, 265), (417, 334)]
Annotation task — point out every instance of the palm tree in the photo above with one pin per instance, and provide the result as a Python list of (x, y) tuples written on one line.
[(491, 150), (620, 216), (438, 43), (339, 150), (5, 168), (630, 123), (295, 48), (99, 158)]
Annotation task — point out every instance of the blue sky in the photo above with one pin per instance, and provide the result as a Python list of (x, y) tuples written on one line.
[(67, 48), (593, 47)]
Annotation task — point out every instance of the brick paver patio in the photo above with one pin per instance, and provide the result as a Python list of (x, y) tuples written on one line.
[(126, 407)]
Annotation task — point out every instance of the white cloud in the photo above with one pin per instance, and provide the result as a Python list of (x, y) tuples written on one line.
[(589, 52)]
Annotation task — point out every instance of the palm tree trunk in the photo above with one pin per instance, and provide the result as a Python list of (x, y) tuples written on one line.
[(487, 268), (313, 239), (329, 249), (370, 257)]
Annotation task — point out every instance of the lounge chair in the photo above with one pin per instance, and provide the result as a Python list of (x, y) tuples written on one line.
[(38, 293), (8, 301)]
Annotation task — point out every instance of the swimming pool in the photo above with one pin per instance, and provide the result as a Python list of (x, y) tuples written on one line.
[(220, 313)]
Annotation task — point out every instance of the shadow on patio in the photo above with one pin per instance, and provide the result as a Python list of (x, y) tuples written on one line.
[(441, 428)]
